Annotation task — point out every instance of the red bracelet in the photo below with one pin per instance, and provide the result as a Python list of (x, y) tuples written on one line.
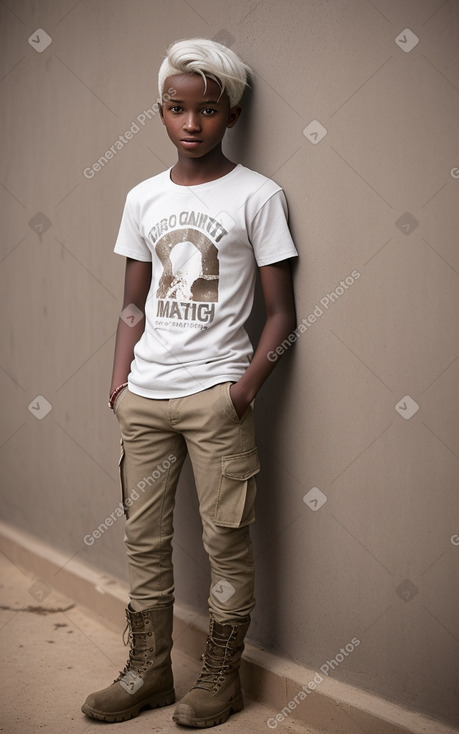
[(115, 392)]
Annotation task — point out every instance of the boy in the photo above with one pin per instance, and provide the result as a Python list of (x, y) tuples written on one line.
[(185, 375)]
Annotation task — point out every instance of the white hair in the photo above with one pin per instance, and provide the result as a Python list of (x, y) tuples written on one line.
[(209, 59)]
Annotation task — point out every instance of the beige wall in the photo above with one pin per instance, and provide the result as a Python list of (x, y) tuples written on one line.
[(378, 560)]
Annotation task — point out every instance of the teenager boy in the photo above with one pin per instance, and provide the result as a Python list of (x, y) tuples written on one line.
[(185, 375)]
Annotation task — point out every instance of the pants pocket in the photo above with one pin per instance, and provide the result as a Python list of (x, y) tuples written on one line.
[(235, 505), (119, 398), (230, 410)]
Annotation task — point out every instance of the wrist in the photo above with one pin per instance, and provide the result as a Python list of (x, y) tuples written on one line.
[(244, 390), (114, 394), (241, 397)]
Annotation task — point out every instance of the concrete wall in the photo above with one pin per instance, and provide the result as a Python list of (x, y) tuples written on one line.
[(354, 111)]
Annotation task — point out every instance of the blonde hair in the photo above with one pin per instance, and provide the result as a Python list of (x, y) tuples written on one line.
[(209, 59)]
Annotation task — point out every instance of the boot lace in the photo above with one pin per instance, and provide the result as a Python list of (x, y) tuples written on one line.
[(217, 661), (138, 651)]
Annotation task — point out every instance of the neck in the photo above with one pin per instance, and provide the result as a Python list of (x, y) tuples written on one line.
[(192, 171)]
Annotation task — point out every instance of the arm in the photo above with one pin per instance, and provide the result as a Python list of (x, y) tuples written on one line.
[(136, 286), (277, 288)]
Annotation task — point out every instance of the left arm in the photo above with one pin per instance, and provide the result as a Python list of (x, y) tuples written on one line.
[(277, 288)]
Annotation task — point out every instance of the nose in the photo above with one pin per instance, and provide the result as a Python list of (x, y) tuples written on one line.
[(192, 122)]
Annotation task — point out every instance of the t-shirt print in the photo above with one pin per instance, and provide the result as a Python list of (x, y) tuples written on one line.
[(188, 286)]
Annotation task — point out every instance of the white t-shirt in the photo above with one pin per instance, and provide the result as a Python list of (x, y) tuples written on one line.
[(205, 243)]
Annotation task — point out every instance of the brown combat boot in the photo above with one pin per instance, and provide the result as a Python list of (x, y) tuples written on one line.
[(146, 680), (217, 692)]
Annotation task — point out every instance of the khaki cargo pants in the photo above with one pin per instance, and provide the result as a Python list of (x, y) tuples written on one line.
[(155, 438)]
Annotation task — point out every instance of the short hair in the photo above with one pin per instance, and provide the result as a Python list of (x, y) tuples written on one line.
[(209, 59)]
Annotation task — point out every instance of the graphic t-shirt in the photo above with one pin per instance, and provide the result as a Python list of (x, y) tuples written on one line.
[(205, 243)]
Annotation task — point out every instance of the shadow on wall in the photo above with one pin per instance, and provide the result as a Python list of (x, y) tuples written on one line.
[(237, 143), (268, 617), (274, 485)]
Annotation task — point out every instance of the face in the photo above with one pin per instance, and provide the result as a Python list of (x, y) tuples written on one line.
[(195, 119)]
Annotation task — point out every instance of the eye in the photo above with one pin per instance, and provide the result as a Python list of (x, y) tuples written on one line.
[(208, 111), (175, 108)]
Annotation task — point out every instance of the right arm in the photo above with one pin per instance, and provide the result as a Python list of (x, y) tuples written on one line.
[(137, 283)]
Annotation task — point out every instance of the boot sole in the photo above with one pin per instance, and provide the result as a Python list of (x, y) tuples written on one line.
[(163, 699), (207, 721)]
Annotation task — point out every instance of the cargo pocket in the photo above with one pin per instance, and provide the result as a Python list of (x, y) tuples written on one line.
[(237, 490), (121, 469)]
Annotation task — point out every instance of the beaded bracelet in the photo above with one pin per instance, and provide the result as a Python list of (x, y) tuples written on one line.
[(115, 392)]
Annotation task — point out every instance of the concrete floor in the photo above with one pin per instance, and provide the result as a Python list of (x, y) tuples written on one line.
[(54, 652)]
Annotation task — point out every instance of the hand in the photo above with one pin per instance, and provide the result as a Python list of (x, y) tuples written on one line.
[(239, 400)]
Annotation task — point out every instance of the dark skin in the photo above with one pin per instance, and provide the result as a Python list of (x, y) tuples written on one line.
[(196, 121)]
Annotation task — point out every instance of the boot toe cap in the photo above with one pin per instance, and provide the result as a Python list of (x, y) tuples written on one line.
[(89, 704), (184, 714)]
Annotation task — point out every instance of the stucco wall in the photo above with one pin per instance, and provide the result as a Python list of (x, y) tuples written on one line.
[(354, 112)]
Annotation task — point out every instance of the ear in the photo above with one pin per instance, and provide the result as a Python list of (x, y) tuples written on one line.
[(161, 113), (233, 116)]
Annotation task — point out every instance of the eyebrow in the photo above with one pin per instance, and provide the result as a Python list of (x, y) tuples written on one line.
[(180, 101)]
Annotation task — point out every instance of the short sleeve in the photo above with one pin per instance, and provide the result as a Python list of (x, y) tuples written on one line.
[(130, 241), (270, 234)]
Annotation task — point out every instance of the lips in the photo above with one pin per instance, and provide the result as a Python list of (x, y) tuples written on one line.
[(191, 143)]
